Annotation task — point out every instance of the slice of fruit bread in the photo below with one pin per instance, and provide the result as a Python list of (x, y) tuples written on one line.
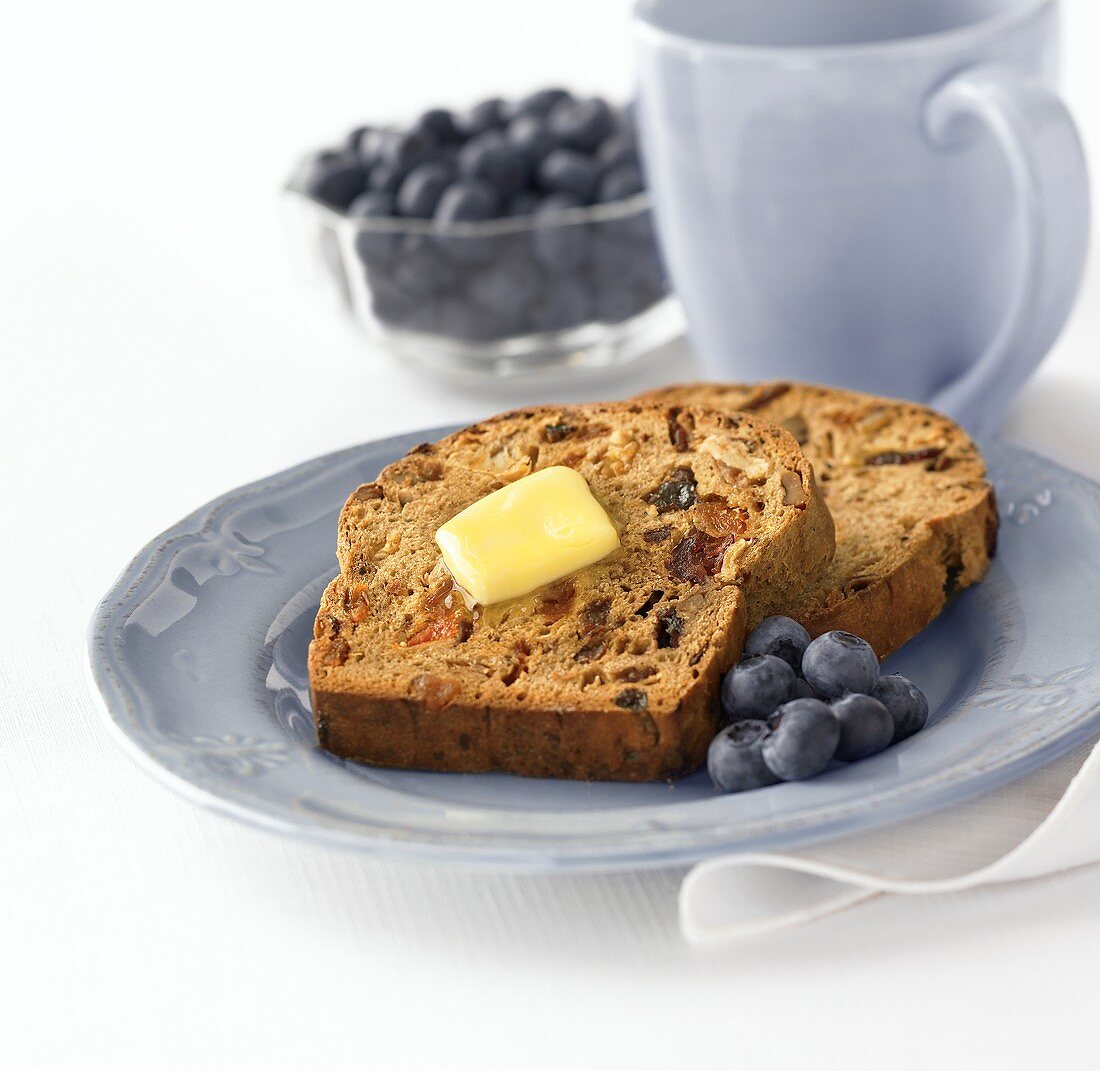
[(611, 673), (916, 518)]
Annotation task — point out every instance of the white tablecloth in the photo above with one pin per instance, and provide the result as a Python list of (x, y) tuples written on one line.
[(157, 350)]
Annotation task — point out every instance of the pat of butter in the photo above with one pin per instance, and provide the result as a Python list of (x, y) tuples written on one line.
[(532, 532)]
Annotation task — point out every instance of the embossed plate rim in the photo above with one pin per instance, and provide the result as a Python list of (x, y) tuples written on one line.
[(633, 837)]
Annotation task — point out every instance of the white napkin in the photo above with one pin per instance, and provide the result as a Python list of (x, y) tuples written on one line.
[(1045, 823)]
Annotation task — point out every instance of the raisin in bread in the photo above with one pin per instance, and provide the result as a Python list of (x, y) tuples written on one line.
[(916, 518), (609, 674)]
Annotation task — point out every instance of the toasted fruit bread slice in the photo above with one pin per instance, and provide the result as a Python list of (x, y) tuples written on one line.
[(609, 674), (916, 518)]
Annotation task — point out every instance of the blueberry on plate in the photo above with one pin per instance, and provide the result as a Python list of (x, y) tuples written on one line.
[(780, 636), (558, 246), (567, 171), (866, 727), (907, 704), (803, 739), (802, 690), (422, 187), (582, 124), (492, 159), (541, 103), (625, 181), (735, 758), (756, 687), (838, 662)]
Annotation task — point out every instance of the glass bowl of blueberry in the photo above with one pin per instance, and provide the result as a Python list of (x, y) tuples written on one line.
[(513, 238)]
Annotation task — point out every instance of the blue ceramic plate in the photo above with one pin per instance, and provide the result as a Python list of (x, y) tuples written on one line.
[(199, 653)]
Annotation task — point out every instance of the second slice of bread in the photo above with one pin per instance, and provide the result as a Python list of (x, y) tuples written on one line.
[(916, 518), (609, 674)]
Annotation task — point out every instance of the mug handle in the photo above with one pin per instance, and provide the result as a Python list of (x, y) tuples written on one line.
[(1043, 150)]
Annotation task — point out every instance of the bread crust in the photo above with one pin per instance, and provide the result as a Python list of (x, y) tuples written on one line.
[(932, 538), (518, 692)]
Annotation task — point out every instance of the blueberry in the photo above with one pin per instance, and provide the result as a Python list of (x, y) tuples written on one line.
[(468, 201), (389, 303), (566, 171), (422, 187), (509, 285), (456, 317), (618, 150), (421, 271), (375, 247), (489, 114), (490, 158), (756, 687), (541, 103), (838, 662), (564, 304), (581, 124), (617, 301), (803, 739), (625, 181), (523, 203), (334, 178), (402, 150), (866, 727), (438, 125), (374, 204), (802, 690), (779, 636), (907, 704), (557, 246), (530, 136), (734, 759)]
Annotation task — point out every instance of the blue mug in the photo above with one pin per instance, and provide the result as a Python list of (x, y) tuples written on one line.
[(886, 195)]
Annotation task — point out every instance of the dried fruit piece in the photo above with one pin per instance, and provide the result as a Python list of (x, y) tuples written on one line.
[(591, 651), (904, 457), (556, 599), (670, 627), (676, 492), (632, 699), (718, 519), (435, 692), (657, 535), (554, 433), (679, 431), (697, 556), (595, 614)]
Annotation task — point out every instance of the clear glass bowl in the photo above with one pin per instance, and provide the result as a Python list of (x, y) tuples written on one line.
[(514, 296)]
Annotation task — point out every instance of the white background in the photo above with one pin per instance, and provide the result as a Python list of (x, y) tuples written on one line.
[(158, 350)]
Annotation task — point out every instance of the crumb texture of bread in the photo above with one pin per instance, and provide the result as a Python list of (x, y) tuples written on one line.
[(916, 519), (609, 674)]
